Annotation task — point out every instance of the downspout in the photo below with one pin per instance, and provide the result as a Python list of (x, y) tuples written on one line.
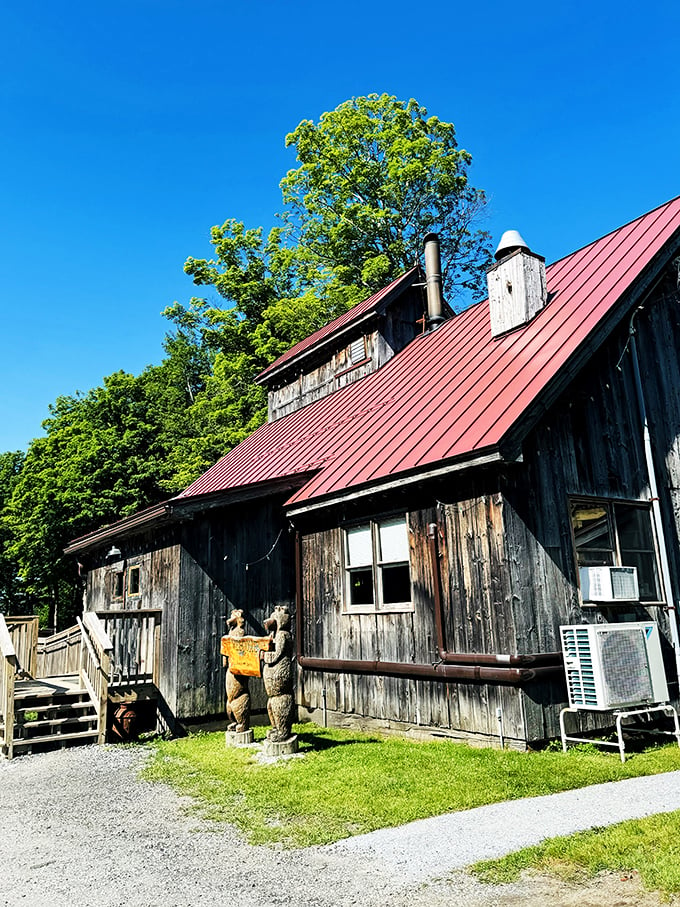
[(553, 660), (656, 506)]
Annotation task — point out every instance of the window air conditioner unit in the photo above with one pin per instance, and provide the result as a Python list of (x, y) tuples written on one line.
[(611, 666), (609, 584)]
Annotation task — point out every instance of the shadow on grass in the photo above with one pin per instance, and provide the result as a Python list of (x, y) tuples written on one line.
[(313, 740)]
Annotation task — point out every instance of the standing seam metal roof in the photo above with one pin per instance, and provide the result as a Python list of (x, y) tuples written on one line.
[(452, 393)]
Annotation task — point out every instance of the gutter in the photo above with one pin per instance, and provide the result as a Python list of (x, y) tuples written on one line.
[(656, 506)]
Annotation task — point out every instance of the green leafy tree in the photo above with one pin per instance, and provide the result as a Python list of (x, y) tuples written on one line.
[(105, 454), (374, 176), (12, 595)]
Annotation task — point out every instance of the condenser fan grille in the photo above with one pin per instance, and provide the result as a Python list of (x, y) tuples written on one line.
[(625, 666)]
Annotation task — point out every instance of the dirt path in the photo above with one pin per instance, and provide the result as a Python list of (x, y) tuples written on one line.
[(79, 829)]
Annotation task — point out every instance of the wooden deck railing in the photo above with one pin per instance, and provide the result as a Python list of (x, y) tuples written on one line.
[(24, 634), (59, 654), (135, 636), (8, 666), (95, 666)]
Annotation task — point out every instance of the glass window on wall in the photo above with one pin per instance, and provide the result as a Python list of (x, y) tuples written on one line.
[(378, 575), (616, 534)]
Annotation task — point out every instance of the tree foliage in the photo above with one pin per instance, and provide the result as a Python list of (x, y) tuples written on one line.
[(105, 454), (374, 176)]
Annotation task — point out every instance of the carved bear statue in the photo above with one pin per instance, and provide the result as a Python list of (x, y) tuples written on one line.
[(277, 673), (238, 694)]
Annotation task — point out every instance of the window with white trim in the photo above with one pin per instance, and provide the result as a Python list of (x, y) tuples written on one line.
[(615, 534), (377, 566)]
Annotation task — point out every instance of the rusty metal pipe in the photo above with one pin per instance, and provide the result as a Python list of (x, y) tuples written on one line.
[(541, 659), (440, 671), (482, 668)]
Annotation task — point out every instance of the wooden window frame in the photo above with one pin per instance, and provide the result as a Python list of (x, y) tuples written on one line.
[(134, 570), (378, 606), (611, 504), (117, 575)]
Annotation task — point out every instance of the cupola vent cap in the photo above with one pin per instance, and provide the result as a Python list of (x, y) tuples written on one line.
[(511, 240)]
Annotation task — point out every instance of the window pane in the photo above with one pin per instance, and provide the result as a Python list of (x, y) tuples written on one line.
[(646, 571), (133, 581), (396, 584), (634, 528), (593, 535), (394, 542), (359, 548), (361, 587), (118, 581)]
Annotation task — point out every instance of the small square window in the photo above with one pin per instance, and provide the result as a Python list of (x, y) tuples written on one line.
[(357, 351), (615, 534)]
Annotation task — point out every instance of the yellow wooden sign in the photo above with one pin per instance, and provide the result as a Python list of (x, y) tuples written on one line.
[(244, 653)]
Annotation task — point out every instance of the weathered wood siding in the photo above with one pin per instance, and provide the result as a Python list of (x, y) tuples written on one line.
[(507, 556), (320, 377), (477, 613), (238, 557), (197, 572), (157, 554)]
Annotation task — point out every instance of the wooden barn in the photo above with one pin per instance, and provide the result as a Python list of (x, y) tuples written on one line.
[(427, 496)]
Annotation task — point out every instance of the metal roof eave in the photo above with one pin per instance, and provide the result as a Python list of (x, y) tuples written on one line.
[(176, 510), (488, 458)]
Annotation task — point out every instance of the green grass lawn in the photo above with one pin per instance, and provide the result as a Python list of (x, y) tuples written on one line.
[(349, 782), (650, 847)]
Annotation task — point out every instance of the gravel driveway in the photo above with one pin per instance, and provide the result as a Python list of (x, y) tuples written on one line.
[(80, 829)]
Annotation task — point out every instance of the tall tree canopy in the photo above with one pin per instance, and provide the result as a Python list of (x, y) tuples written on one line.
[(374, 176)]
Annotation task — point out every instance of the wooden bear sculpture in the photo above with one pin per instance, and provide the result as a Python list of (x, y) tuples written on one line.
[(277, 673), (238, 694)]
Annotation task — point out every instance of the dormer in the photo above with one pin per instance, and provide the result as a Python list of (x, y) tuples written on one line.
[(352, 346)]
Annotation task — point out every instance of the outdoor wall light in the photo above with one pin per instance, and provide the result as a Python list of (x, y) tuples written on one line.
[(112, 553)]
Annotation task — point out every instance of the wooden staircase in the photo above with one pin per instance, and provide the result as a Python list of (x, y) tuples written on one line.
[(56, 692), (50, 714)]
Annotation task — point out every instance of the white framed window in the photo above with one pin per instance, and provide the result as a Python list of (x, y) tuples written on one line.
[(617, 534), (377, 566)]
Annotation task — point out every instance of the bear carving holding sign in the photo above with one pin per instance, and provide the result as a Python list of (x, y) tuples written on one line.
[(277, 673)]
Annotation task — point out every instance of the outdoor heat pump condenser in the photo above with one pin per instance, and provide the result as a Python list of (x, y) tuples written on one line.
[(613, 666)]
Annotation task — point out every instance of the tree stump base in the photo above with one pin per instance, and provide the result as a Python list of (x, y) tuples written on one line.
[(284, 748), (239, 738)]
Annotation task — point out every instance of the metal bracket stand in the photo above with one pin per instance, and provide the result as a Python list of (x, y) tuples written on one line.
[(620, 715)]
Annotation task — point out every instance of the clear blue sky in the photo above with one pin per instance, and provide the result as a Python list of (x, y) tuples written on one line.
[(130, 128)]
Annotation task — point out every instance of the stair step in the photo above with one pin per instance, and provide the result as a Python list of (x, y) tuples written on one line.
[(68, 695), (55, 722), (54, 738), (55, 706)]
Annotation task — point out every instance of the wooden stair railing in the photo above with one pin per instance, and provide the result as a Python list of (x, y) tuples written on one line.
[(8, 668), (59, 654), (23, 630), (95, 666)]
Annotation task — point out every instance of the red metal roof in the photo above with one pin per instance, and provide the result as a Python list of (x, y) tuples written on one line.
[(341, 323), (453, 393)]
